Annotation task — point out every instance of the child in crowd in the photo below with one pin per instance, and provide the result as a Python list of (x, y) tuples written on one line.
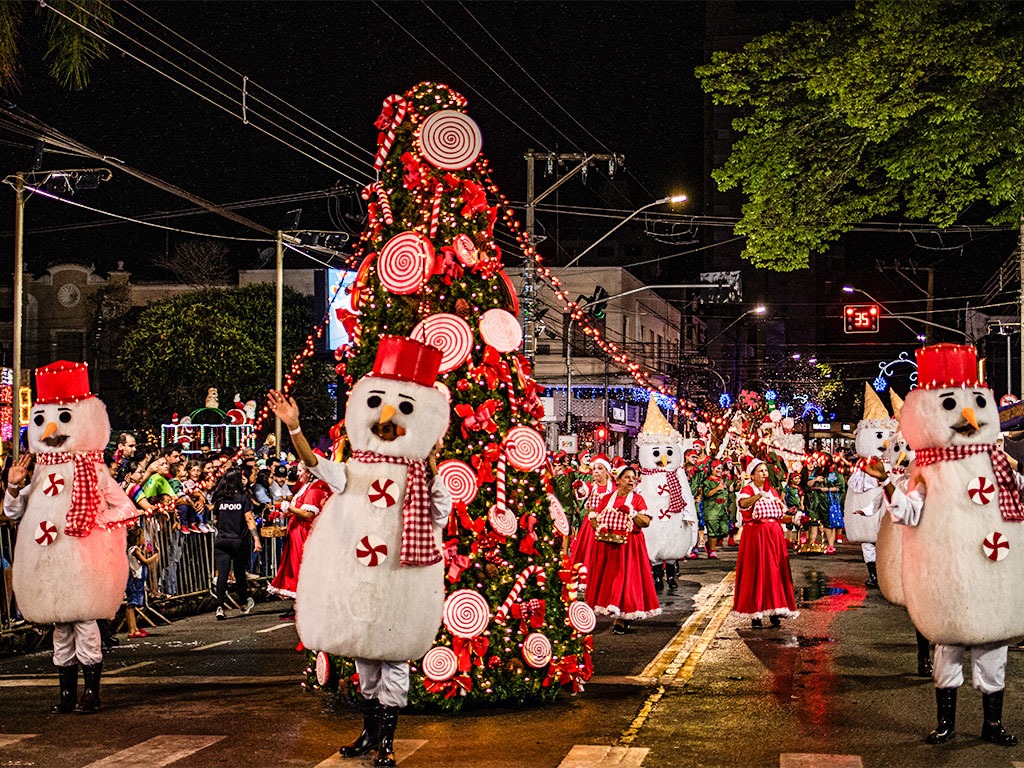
[(138, 567)]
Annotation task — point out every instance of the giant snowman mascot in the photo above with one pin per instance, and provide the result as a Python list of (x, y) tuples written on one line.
[(666, 489), (72, 565), (371, 584), (963, 548), (862, 509)]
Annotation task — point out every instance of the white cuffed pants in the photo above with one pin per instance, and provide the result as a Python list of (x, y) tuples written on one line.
[(77, 641), (988, 666), (386, 681), (868, 550)]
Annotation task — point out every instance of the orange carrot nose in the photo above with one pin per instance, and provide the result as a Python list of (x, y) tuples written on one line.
[(386, 413), (968, 413), (902, 457), (885, 443), (51, 427)]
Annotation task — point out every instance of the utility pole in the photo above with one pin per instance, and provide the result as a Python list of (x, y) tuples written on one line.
[(1020, 308), (19, 277)]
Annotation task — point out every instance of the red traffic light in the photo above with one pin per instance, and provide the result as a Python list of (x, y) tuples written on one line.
[(601, 433), (861, 318)]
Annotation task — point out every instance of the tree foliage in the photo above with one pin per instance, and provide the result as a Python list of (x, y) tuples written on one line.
[(180, 347), (895, 106)]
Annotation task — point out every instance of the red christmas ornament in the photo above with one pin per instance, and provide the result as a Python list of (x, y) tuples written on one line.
[(462, 385)]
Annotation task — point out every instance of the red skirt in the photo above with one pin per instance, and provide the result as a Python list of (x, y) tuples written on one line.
[(764, 586), (287, 578), (582, 548), (620, 582)]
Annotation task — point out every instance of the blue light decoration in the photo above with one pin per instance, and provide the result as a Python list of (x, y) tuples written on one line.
[(770, 395), (880, 384), (636, 395), (724, 400), (886, 369)]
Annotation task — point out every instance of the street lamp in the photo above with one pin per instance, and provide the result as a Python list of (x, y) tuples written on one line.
[(641, 209), (760, 309)]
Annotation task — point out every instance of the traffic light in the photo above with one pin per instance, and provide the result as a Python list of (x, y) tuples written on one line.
[(597, 303), (861, 318), (600, 433)]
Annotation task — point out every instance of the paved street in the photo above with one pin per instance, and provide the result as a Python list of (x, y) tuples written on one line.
[(835, 687)]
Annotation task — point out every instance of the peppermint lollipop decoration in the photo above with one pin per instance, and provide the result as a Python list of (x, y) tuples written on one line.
[(582, 617), (537, 650), (466, 613), (460, 479), (525, 448), (405, 263), (440, 664), (449, 333), (501, 330), (450, 140)]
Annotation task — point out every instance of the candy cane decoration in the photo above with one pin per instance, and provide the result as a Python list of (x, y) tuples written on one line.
[(399, 107), (435, 211), (532, 570), (500, 489), (375, 188)]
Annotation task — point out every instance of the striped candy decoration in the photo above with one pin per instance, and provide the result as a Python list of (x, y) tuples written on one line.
[(375, 188), (395, 107), (435, 210), (531, 570)]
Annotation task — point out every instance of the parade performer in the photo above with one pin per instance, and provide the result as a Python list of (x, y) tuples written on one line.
[(719, 502), (371, 585), (666, 490), (863, 494), (963, 545), (301, 512), (593, 493), (764, 585), (621, 584), (71, 566)]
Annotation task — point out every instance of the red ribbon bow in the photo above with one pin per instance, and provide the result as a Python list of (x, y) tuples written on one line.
[(531, 614), (446, 264), (565, 671), (459, 516), (483, 463), (528, 541), (460, 684), (470, 651), (480, 419), (475, 198), (412, 177), (492, 369)]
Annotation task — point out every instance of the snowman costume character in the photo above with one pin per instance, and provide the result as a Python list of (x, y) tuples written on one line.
[(371, 584), (666, 489), (963, 545), (889, 546), (72, 564), (863, 506)]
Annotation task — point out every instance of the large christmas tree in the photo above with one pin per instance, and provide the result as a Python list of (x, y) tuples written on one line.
[(513, 627)]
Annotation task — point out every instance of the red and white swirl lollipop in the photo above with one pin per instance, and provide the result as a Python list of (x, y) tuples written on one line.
[(558, 516), (466, 613), (440, 663), (582, 617), (460, 479), (448, 333), (525, 448), (450, 140), (501, 330), (323, 669), (502, 521), (405, 262), (537, 650), (465, 250)]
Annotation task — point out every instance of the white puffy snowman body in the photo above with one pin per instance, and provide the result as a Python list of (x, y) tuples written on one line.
[(959, 589), (871, 439), (353, 598), (889, 550), (60, 578), (672, 532)]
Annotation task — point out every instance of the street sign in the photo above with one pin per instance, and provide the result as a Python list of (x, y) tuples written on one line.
[(567, 443), (700, 360), (861, 318), (1008, 400)]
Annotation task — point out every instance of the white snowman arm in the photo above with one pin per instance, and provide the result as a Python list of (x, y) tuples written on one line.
[(906, 508), (440, 502), (118, 506), (14, 506), (861, 482), (334, 473)]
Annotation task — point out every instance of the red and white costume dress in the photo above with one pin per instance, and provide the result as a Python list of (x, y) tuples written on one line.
[(595, 494), (620, 583), (764, 586), (310, 497)]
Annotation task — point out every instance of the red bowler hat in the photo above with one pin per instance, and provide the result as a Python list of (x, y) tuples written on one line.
[(947, 365), (62, 381), (405, 359)]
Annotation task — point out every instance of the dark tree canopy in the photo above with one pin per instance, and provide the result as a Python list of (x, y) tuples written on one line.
[(896, 106)]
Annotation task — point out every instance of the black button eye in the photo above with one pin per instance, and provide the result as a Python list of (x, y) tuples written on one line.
[(373, 401), (949, 403), (38, 420), (657, 452), (980, 400), (405, 407), (879, 435), (64, 417), (669, 451)]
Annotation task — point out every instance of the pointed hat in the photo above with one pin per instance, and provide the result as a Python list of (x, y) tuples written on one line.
[(897, 403), (656, 423), (873, 406)]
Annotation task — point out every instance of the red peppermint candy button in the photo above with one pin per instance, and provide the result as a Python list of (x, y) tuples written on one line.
[(46, 534), (55, 484), (981, 491), (382, 493), (371, 551), (996, 546)]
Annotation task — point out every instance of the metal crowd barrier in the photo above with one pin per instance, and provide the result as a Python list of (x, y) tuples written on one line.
[(8, 531)]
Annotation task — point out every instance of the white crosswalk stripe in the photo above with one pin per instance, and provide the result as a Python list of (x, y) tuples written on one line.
[(598, 756), (807, 760), (403, 748), (6, 739), (156, 752)]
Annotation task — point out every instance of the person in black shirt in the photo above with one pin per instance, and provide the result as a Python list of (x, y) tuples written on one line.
[(233, 519)]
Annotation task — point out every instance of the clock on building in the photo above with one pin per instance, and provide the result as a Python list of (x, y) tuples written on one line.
[(69, 295)]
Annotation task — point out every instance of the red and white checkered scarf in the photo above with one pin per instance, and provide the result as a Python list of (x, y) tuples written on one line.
[(85, 489), (676, 502), (418, 544), (1009, 497)]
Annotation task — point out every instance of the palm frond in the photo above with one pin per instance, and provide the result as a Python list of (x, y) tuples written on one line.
[(73, 44), (10, 23)]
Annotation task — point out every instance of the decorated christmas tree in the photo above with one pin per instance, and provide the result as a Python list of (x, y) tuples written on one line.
[(513, 628)]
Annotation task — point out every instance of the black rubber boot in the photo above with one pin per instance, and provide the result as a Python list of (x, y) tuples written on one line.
[(90, 700), (924, 662), (659, 576), (386, 750), (992, 730), (945, 701), (671, 571), (68, 677), (872, 575), (369, 739)]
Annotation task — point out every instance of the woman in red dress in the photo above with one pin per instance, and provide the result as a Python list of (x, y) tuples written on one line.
[(301, 511), (621, 583), (764, 586), (594, 493)]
